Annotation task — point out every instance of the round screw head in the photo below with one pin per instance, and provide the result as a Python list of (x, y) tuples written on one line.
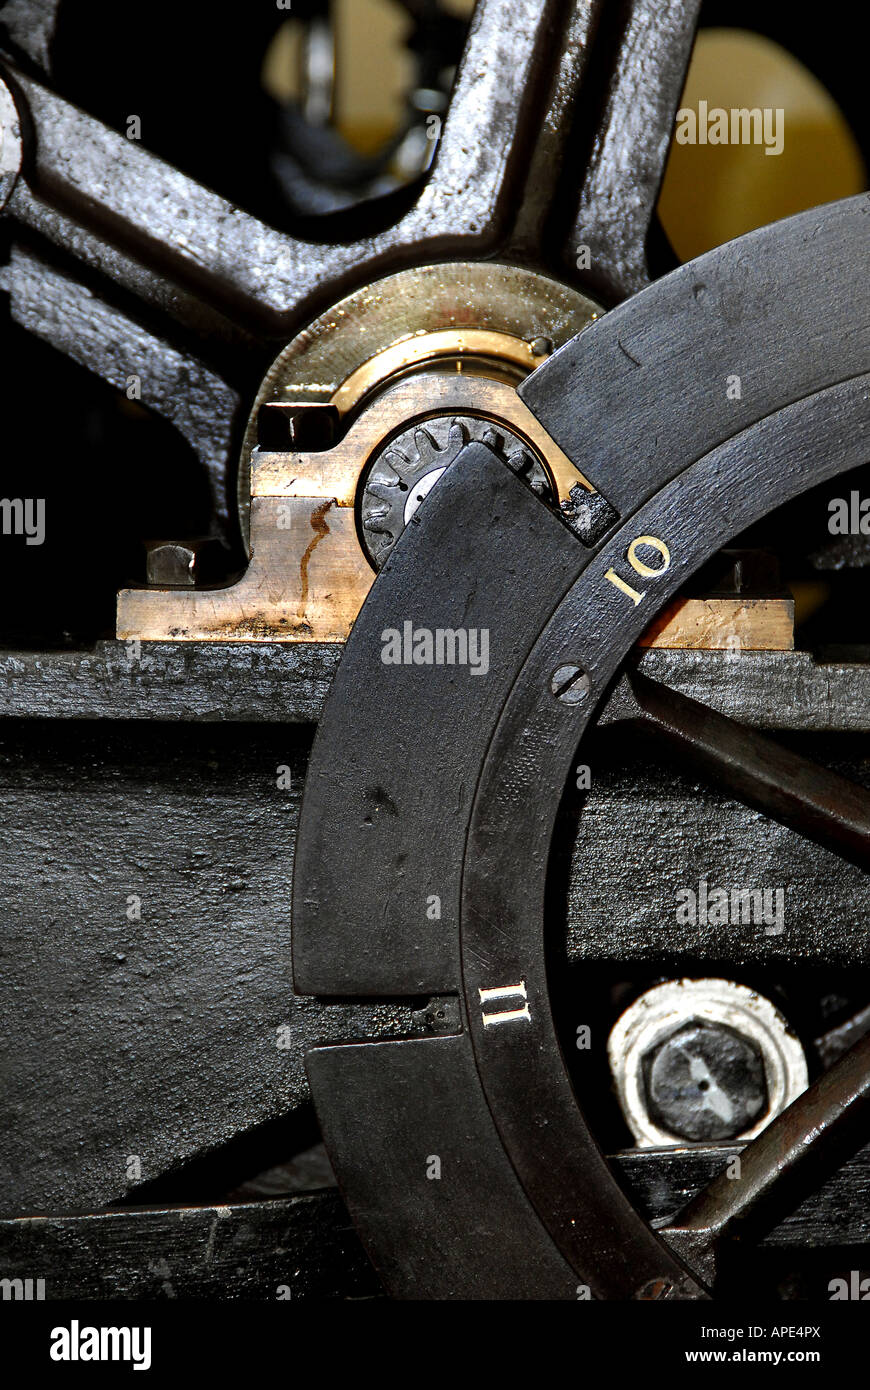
[(705, 1082), (570, 684)]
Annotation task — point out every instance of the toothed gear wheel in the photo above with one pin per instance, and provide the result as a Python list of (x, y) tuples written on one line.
[(407, 469)]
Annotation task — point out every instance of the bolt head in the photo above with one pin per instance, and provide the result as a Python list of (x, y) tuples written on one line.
[(705, 1082)]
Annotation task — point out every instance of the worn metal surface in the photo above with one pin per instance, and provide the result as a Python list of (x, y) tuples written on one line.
[(296, 1247), (175, 384), (309, 572), (456, 317), (158, 235), (467, 334), (269, 681), (214, 272), (392, 863), (724, 624), (769, 690), (145, 954), (424, 1102), (635, 399), (795, 1152), (128, 197), (550, 177), (625, 167), (171, 681), (681, 487)]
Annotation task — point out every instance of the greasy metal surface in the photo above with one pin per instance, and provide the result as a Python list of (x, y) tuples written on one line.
[(618, 194), (812, 799), (645, 391), (826, 1123), (145, 954), (334, 472), (243, 682), (305, 1246), (516, 796), (568, 47)]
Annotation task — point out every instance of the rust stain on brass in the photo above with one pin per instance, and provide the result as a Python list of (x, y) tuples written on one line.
[(280, 597), (320, 527), (301, 587)]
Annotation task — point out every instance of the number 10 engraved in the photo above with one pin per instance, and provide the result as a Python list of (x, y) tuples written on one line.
[(639, 567)]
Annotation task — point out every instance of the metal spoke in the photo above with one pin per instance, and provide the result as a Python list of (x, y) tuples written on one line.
[(175, 384), (131, 201), (630, 148), (549, 172), (791, 1156), (30, 26), (810, 798)]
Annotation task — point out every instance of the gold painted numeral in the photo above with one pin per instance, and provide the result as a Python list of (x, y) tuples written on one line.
[(640, 567)]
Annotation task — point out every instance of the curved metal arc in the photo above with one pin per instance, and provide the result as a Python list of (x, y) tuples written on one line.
[(518, 790), (518, 793), (709, 350)]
